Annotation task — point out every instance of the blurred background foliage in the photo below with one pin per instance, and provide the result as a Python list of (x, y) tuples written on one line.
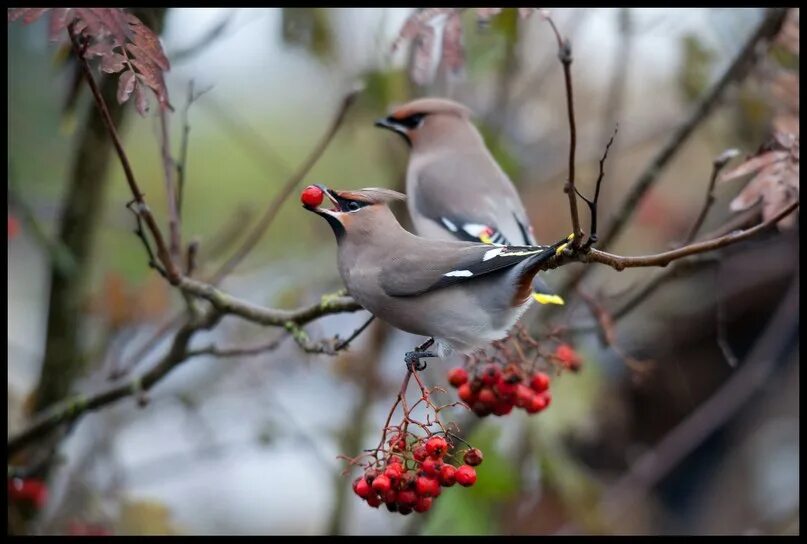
[(248, 445)]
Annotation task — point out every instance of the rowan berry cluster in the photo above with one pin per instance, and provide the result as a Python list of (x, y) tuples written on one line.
[(497, 390), (515, 373), (413, 475)]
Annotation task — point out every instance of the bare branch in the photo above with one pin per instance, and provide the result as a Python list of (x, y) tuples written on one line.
[(274, 206), (663, 259), (717, 165), (565, 57), (162, 251), (736, 72)]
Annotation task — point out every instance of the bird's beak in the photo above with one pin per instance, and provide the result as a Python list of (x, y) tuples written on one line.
[(332, 196), (390, 123)]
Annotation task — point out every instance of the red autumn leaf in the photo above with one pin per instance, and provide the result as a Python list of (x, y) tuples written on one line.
[(775, 181), (112, 35), (453, 53), (422, 62), (126, 84)]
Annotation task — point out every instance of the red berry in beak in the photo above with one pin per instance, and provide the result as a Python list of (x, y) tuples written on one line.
[(311, 196)]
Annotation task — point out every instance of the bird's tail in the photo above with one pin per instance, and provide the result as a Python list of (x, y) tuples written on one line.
[(530, 267)]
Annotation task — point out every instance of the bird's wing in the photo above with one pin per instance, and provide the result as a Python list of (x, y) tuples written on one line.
[(443, 264), (470, 197)]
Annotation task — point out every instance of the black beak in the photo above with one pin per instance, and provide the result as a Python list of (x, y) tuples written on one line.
[(387, 123), (332, 196), (390, 123)]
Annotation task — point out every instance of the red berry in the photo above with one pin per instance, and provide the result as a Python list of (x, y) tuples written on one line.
[(431, 467), (370, 475), (28, 489), (420, 453), (362, 488), (491, 374), (502, 408), (374, 500), (567, 356), (457, 376), (436, 446), (311, 196), (382, 484), (473, 457), (481, 409), (524, 396), (537, 404), (465, 475), (394, 472), (427, 487), (466, 394), (447, 473), (404, 510), (539, 382), (547, 396), (407, 497), (395, 460), (487, 397), (504, 387), (391, 496), (423, 504), (392, 506)]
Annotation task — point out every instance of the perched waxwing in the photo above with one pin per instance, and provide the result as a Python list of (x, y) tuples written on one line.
[(462, 295), (456, 189)]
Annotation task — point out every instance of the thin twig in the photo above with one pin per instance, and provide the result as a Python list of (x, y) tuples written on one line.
[(169, 171), (717, 165), (345, 343), (720, 318), (565, 57), (162, 251), (736, 72), (663, 259), (274, 206), (773, 344)]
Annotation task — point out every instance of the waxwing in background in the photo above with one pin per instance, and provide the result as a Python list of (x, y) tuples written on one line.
[(456, 190)]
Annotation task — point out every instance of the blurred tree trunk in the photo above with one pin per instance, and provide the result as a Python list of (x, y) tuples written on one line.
[(81, 212)]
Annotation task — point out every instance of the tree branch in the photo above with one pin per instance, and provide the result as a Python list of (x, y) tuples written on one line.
[(619, 262), (565, 57), (736, 72), (162, 251), (274, 206)]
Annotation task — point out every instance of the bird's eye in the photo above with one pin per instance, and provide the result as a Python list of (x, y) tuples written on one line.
[(413, 121), (353, 206)]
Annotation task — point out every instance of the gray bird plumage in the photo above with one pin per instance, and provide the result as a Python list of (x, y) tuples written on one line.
[(463, 294), (457, 191)]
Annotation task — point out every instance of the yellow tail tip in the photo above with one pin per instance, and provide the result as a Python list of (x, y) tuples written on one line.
[(542, 298), (486, 239)]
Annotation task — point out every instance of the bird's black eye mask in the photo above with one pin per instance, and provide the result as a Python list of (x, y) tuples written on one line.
[(346, 205), (401, 126), (413, 121)]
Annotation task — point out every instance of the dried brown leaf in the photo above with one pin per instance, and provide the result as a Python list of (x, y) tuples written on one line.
[(112, 64), (422, 62), (417, 22), (452, 52), (126, 85), (775, 183), (753, 164), (141, 100)]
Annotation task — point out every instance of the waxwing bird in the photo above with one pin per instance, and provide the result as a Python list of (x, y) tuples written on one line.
[(456, 189), (462, 295)]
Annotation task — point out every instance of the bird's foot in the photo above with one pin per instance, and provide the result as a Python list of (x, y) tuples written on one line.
[(413, 360)]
